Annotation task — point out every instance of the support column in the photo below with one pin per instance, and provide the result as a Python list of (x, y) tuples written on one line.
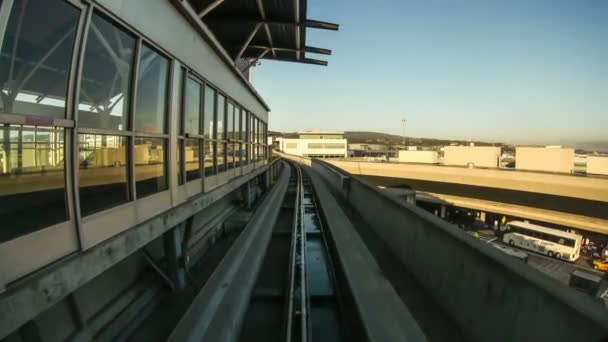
[(443, 211), (246, 193), (173, 251), (266, 180)]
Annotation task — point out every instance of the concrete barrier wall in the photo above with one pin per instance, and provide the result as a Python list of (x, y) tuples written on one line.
[(490, 296)]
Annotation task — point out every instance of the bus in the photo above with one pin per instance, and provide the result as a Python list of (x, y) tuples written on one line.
[(551, 242)]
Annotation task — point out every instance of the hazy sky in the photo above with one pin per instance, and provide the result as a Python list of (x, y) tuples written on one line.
[(516, 71)]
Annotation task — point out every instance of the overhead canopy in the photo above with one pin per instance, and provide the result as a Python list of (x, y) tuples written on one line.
[(257, 29)]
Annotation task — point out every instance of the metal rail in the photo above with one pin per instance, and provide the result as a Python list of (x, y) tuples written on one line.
[(298, 306)]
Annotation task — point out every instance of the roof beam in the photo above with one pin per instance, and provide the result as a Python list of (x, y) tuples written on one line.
[(310, 49), (302, 60), (246, 43), (266, 27), (321, 25), (209, 8), (307, 23), (260, 56)]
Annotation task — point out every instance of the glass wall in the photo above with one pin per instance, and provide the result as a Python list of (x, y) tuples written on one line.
[(36, 55), (35, 63), (149, 156), (102, 172), (220, 115), (32, 185), (209, 130), (119, 114), (105, 87), (151, 97), (150, 112), (192, 128), (230, 136)]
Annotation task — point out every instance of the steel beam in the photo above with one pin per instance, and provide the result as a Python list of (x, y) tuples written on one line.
[(308, 23), (266, 27), (246, 43), (310, 49), (209, 8)]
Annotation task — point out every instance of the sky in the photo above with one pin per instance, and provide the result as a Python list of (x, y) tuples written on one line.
[(519, 71)]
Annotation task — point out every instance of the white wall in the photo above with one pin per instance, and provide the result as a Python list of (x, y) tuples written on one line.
[(597, 165), (429, 157), (544, 159), (479, 156), (300, 147)]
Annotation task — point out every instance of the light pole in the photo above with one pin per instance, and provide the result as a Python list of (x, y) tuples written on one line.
[(403, 121)]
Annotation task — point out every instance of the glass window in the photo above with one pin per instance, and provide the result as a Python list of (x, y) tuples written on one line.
[(238, 155), (149, 166), (230, 121), (106, 76), (209, 168), (151, 97), (192, 107), (209, 113), (192, 157), (238, 124), (36, 56), (221, 115), (251, 128), (180, 157), (32, 185), (102, 173), (221, 157), (230, 156)]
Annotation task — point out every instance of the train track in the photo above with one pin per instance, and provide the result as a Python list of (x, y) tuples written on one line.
[(294, 298)]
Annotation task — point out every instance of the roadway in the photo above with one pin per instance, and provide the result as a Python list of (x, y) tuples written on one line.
[(587, 196), (559, 270)]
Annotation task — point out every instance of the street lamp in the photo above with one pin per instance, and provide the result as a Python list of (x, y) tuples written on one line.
[(403, 121)]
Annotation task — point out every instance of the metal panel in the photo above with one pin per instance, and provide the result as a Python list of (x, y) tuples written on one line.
[(30, 252)]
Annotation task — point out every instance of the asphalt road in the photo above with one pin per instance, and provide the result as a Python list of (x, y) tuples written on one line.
[(556, 269)]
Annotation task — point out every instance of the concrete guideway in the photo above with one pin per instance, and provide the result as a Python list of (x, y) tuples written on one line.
[(588, 188), (386, 317), (217, 311)]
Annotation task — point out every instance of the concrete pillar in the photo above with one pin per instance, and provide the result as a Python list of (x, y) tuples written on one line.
[(175, 259), (443, 211), (246, 193), (266, 180)]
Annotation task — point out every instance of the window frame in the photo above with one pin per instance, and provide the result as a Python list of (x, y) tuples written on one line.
[(182, 136)]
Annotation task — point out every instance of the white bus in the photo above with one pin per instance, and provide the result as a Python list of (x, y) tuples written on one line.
[(551, 242)]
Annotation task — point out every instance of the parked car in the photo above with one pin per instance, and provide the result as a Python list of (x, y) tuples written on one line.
[(600, 265)]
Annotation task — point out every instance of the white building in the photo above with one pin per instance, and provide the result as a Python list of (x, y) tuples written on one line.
[(414, 156), (476, 156), (316, 144), (550, 158), (597, 165)]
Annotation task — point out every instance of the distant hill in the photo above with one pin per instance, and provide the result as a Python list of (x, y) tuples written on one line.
[(391, 139), (357, 137)]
